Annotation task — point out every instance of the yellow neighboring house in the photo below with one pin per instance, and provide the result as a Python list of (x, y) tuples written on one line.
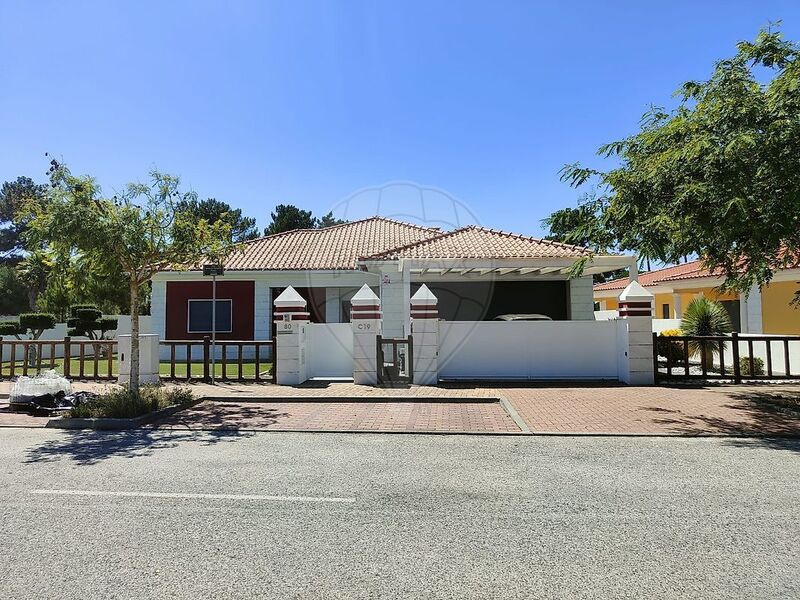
[(765, 310)]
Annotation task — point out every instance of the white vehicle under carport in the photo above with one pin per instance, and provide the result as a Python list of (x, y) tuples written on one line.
[(522, 317)]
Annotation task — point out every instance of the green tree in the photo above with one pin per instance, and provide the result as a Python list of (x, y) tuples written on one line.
[(288, 217), (34, 271), (13, 293), (585, 226), (213, 210), (139, 233), (13, 196), (329, 221), (717, 177)]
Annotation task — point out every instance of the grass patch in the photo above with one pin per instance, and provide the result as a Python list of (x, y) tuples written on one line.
[(123, 404), (232, 370)]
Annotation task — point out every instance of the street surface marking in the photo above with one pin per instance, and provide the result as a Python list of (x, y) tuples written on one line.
[(192, 496)]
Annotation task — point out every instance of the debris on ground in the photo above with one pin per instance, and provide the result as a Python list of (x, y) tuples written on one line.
[(49, 392)]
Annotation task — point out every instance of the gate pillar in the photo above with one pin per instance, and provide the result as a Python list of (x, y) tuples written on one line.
[(366, 319), (425, 330), (291, 319), (636, 336)]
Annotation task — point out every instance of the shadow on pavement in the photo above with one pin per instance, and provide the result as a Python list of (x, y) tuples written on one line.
[(88, 447), (768, 417), (219, 417)]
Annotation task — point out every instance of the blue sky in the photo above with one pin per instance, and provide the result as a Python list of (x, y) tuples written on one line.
[(312, 103)]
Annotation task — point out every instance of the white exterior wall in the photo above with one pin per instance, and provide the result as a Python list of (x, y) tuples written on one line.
[(750, 311), (676, 302), (263, 311), (158, 307), (334, 297), (395, 302), (528, 350), (333, 309), (581, 299)]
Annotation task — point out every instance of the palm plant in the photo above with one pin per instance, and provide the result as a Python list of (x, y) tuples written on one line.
[(705, 317)]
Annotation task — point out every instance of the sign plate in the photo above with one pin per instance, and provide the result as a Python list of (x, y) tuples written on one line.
[(210, 270)]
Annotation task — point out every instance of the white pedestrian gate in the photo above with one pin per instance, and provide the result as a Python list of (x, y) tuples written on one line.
[(329, 348)]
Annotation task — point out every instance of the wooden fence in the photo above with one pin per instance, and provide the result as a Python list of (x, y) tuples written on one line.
[(75, 359), (256, 367), (96, 360), (723, 357)]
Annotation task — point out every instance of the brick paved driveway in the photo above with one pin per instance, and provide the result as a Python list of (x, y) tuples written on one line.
[(386, 416), (718, 410), (13, 418), (713, 410)]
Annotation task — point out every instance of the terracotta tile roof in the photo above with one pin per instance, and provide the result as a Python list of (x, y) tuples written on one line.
[(481, 243), (337, 247), (690, 270)]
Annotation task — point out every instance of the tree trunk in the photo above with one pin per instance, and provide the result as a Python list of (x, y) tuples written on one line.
[(133, 385), (32, 355)]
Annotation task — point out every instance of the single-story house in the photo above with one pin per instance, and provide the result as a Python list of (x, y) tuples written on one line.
[(766, 310), (476, 273)]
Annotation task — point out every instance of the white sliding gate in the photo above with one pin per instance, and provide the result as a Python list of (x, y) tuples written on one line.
[(330, 350), (528, 350)]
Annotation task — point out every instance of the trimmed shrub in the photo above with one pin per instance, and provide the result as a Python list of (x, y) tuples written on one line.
[(744, 366), (10, 328), (87, 320), (123, 404), (36, 323)]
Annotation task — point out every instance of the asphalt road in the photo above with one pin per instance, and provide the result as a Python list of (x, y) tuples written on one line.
[(277, 515)]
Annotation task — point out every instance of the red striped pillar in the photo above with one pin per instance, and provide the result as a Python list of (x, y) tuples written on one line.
[(425, 330), (367, 320), (290, 318)]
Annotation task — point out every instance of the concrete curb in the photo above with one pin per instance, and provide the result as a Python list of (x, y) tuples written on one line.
[(335, 399), (541, 434), (234, 431), (703, 434), (103, 424), (515, 416)]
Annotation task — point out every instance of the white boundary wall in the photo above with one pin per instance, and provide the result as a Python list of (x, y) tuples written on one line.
[(528, 350), (329, 348), (760, 351)]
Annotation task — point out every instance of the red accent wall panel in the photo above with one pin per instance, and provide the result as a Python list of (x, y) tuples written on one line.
[(241, 294)]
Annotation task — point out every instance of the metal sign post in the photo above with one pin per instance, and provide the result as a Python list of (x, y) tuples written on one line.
[(213, 271)]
